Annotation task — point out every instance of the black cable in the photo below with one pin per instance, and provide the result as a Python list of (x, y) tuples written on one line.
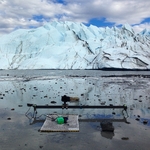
[(27, 114), (27, 111)]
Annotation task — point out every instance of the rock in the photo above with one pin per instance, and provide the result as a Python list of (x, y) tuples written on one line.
[(137, 119), (125, 138), (145, 121), (53, 102)]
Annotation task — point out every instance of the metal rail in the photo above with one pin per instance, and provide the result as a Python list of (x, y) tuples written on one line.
[(75, 107), (64, 105)]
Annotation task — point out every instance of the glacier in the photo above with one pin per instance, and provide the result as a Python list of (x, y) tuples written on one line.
[(70, 45)]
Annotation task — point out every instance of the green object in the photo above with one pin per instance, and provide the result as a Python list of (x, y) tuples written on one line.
[(60, 120)]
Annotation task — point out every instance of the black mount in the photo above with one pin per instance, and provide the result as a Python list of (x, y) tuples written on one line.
[(66, 99)]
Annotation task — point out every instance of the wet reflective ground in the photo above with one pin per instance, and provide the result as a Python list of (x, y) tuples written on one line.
[(93, 88)]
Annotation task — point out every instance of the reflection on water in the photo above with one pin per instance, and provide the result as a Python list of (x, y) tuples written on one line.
[(92, 89), (108, 135), (134, 92)]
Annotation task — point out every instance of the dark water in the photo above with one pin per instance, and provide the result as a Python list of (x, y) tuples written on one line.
[(96, 73), (43, 87)]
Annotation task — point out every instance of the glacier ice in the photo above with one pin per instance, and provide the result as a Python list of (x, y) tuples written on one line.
[(70, 45)]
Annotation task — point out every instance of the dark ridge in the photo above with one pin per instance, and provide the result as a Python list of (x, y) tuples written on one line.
[(128, 75), (103, 69), (122, 69)]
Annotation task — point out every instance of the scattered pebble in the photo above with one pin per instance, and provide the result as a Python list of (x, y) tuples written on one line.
[(53, 102), (40, 146), (125, 138), (137, 119), (103, 103), (113, 113), (8, 118), (145, 121)]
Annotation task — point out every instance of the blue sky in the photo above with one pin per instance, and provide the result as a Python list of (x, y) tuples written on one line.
[(100, 22), (15, 14)]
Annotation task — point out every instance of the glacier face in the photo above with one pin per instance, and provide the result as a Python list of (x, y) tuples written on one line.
[(69, 45)]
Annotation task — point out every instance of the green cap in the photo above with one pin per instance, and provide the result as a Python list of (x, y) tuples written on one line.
[(60, 120)]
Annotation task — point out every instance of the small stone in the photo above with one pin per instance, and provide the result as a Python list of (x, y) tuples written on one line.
[(125, 138), (113, 113), (53, 102), (103, 103), (40, 146), (145, 121)]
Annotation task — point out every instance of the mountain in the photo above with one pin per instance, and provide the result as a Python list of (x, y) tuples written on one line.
[(69, 45)]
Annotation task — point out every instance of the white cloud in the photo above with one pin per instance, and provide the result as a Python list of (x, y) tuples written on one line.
[(141, 27), (19, 13)]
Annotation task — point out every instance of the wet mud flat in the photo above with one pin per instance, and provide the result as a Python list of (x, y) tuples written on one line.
[(92, 88)]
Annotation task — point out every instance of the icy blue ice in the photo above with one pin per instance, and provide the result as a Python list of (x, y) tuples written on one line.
[(70, 45)]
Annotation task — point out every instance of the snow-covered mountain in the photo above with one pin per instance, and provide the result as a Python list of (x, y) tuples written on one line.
[(69, 45)]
